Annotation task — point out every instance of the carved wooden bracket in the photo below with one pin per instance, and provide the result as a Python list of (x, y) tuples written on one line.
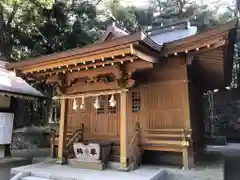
[(110, 77), (60, 81)]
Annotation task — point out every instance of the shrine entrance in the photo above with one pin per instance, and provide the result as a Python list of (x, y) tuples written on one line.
[(106, 119)]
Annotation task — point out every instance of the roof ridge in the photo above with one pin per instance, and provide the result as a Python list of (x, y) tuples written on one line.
[(183, 24)]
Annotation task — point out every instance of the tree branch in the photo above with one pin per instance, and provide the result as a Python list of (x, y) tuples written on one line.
[(98, 2), (1, 16), (14, 11), (232, 10)]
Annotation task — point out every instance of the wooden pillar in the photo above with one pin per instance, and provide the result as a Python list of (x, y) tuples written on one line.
[(187, 154), (62, 131), (188, 158), (123, 130)]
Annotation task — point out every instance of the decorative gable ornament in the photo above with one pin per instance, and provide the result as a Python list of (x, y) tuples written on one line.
[(113, 32)]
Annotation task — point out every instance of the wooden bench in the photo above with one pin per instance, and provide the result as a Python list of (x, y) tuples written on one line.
[(71, 137), (170, 140)]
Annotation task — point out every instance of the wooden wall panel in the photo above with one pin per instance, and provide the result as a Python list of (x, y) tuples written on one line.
[(210, 65), (164, 103), (161, 107)]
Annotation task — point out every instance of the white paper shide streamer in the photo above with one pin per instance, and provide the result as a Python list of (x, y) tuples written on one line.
[(75, 106), (112, 101)]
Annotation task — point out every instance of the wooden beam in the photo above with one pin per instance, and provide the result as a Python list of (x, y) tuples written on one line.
[(90, 94), (123, 130), (87, 67), (211, 48), (138, 65), (52, 79), (74, 60), (145, 57), (213, 42), (95, 72), (81, 87)]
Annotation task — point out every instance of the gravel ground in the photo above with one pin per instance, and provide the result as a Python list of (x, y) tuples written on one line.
[(5, 173)]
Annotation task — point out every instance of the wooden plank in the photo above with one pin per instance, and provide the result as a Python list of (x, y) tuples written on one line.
[(166, 142), (146, 57), (162, 148), (166, 135), (166, 130)]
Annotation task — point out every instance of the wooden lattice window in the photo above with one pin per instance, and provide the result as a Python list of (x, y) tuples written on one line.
[(102, 102), (111, 109), (136, 101)]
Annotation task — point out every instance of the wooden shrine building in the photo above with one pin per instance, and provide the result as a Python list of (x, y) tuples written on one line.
[(140, 91), (12, 89)]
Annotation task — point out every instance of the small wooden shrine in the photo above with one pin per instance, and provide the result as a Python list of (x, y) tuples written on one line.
[(137, 92), (11, 89)]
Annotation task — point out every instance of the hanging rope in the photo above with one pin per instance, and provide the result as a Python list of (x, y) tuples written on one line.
[(84, 95)]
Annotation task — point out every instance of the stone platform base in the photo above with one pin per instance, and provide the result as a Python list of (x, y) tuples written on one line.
[(14, 162), (94, 165)]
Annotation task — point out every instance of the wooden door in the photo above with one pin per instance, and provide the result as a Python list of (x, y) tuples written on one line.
[(105, 120)]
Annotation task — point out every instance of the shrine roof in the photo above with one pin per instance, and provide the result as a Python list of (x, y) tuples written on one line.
[(203, 39), (11, 85), (96, 48), (120, 39)]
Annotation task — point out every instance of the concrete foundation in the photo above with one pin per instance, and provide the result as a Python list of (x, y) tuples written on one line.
[(86, 165), (51, 170)]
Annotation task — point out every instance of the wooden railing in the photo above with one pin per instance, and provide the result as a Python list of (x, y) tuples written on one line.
[(168, 139), (171, 140), (71, 137), (134, 151)]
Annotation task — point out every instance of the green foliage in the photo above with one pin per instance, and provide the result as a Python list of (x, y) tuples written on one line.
[(17, 16), (114, 11), (236, 66), (30, 28), (35, 27)]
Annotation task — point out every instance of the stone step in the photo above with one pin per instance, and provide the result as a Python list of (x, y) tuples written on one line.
[(113, 165), (34, 178)]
